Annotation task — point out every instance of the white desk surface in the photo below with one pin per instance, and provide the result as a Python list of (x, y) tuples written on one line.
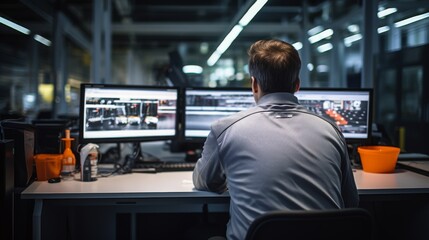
[(134, 185), (399, 182), (179, 184)]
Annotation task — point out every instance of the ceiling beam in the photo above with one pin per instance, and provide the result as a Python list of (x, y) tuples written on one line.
[(187, 29), (200, 29)]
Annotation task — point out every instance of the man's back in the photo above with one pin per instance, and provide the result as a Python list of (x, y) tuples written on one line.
[(279, 156)]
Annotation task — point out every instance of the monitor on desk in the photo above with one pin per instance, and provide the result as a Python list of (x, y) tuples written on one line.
[(127, 113), (350, 109), (203, 106)]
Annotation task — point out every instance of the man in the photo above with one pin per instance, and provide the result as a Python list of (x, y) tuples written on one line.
[(277, 155)]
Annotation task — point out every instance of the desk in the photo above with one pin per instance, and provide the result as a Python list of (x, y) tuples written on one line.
[(161, 189)]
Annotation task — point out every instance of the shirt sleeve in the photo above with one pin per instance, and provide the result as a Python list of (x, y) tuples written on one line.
[(208, 173), (348, 185)]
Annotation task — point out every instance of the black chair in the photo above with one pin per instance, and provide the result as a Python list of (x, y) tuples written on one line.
[(349, 223)]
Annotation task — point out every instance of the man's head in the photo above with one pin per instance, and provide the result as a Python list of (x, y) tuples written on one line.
[(274, 66)]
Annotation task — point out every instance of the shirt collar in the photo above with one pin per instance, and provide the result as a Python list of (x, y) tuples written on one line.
[(276, 98)]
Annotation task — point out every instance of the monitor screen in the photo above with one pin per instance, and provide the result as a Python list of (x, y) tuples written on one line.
[(350, 109), (203, 106), (120, 113)]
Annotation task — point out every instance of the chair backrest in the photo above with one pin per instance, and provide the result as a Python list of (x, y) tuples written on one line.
[(349, 223)]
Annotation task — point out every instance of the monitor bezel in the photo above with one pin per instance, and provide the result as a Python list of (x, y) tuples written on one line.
[(83, 139), (370, 91)]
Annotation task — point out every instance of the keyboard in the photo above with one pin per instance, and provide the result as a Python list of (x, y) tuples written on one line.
[(164, 167)]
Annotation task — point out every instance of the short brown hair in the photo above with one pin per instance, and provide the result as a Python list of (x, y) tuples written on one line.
[(275, 65)]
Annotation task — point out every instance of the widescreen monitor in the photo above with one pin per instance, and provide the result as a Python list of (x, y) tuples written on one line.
[(350, 109), (203, 106), (127, 113)]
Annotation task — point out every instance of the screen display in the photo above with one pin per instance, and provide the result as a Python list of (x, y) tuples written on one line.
[(349, 109), (203, 106), (115, 113)]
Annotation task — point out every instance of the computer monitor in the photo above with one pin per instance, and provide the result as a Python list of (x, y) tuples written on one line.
[(127, 113), (350, 109), (203, 106)]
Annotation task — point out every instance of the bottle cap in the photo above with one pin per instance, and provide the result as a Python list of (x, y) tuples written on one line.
[(67, 135)]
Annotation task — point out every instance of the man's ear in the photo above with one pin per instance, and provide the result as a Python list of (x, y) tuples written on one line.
[(255, 87), (297, 84)]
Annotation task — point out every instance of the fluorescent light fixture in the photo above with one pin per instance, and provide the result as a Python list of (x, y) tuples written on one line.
[(192, 69), (42, 40), (325, 47), (253, 10), (385, 12), (235, 31), (315, 30), (297, 45), (224, 45), (15, 26), (30, 98), (351, 39), (213, 58), (322, 68), (322, 35), (383, 29), (411, 20), (354, 28)]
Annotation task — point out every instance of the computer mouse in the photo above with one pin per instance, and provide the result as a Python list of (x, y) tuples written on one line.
[(54, 180)]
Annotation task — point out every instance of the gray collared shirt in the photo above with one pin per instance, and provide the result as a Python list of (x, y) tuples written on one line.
[(275, 156)]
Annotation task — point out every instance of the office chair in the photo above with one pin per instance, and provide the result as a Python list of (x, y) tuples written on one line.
[(351, 223)]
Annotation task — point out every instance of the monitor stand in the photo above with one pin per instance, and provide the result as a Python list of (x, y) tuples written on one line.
[(136, 158)]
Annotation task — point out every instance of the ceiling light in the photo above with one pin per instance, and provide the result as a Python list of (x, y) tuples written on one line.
[(383, 29), (213, 58), (315, 30), (411, 20), (354, 28), (297, 45), (195, 69), (224, 45), (322, 35), (325, 47), (15, 26), (385, 12), (353, 38), (235, 31), (253, 10), (42, 40), (322, 68)]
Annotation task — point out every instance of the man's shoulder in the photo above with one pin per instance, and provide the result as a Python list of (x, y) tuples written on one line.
[(224, 123)]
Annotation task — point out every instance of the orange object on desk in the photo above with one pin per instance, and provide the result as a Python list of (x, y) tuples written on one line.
[(378, 159), (69, 159), (48, 166)]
